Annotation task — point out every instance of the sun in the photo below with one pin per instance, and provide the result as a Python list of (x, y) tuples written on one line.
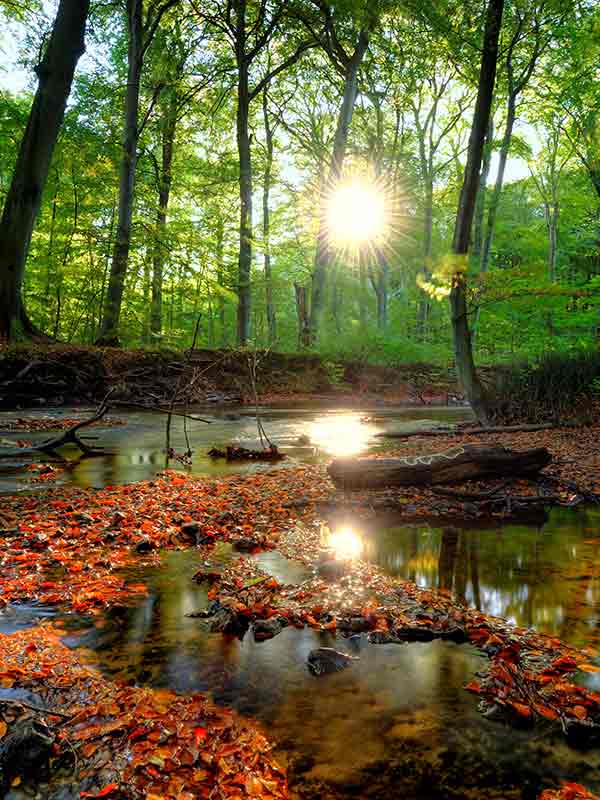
[(356, 214)]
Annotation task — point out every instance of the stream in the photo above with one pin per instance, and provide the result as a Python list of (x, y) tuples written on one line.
[(398, 722)]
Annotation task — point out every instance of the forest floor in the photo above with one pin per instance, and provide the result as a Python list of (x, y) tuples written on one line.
[(70, 549), (63, 374)]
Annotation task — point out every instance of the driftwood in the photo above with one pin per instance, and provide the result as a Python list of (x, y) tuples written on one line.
[(234, 453), (458, 431), (51, 446), (467, 462)]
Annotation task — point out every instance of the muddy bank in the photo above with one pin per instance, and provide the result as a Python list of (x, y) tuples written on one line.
[(60, 374)]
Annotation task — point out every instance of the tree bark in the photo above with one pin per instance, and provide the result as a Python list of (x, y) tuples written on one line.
[(463, 352), (24, 197), (109, 329), (270, 308), (468, 462), (245, 159), (497, 193), (482, 192), (169, 125), (301, 293), (324, 255)]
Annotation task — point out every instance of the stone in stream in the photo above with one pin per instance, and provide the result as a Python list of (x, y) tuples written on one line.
[(332, 570), (245, 544), (325, 660), (264, 629), (26, 749), (144, 545)]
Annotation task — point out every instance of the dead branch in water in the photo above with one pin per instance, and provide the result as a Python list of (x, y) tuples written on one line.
[(51, 446)]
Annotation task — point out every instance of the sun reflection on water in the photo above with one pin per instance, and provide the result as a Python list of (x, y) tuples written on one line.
[(341, 436), (344, 543)]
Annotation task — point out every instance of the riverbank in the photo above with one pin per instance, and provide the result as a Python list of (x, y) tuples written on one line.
[(55, 375)]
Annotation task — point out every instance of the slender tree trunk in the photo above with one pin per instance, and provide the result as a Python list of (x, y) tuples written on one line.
[(109, 329), (303, 316), (169, 124), (24, 197), (552, 214), (424, 306), (481, 194), (323, 257), (220, 277), (381, 290), (363, 293), (245, 159), (463, 352), (496, 194), (271, 319)]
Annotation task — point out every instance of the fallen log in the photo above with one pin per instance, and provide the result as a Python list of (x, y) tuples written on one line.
[(471, 431), (468, 462)]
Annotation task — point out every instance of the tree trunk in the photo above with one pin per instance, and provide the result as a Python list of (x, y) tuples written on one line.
[(245, 158), (169, 125), (303, 316), (424, 306), (221, 277), (109, 329), (323, 256), (271, 319), (463, 352), (24, 197), (381, 290), (552, 214), (482, 191), (468, 462), (496, 194)]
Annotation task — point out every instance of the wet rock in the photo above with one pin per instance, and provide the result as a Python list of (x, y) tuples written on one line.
[(332, 570), (325, 660), (303, 440), (415, 633), (245, 545), (353, 625), (144, 545), (227, 621), (455, 634), (25, 749), (190, 532), (383, 637), (264, 629)]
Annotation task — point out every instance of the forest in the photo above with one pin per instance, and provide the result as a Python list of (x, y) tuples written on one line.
[(288, 174), (299, 399)]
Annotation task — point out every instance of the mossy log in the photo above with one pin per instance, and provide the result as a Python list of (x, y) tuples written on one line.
[(464, 463)]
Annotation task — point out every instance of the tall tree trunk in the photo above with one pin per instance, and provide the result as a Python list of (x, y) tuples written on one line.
[(109, 329), (496, 194), (245, 158), (221, 277), (303, 316), (463, 352), (424, 306), (169, 124), (24, 197), (380, 286), (552, 214), (481, 194), (271, 319), (323, 256)]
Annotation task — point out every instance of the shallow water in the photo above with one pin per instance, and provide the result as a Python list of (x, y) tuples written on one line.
[(397, 723), (545, 577), (136, 450)]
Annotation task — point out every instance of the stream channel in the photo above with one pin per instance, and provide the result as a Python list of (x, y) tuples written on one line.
[(398, 723)]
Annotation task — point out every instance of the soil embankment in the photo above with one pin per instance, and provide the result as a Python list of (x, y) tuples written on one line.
[(62, 374)]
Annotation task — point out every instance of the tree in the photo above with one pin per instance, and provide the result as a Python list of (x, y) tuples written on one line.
[(465, 365), (141, 29), (347, 63), (249, 28), (55, 75)]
